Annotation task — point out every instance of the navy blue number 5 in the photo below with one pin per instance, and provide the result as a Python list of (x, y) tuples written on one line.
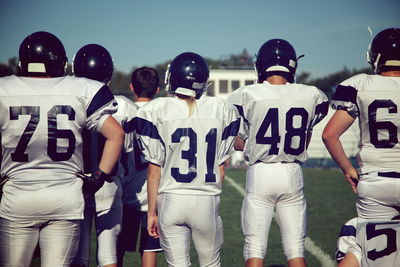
[(190, 155), (390, 234)]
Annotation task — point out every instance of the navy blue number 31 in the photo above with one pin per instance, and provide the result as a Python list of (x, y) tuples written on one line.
[(190, 155)]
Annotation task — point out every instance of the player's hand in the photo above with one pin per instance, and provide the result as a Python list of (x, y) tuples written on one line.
[(152, 226), (351, 176), (92, 183)]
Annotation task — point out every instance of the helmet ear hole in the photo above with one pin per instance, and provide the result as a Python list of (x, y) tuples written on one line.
[(94, 62), (187, 74), (42, 54)]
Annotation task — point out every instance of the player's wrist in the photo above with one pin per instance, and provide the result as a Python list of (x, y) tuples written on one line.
[(151, 213), (102, 176)]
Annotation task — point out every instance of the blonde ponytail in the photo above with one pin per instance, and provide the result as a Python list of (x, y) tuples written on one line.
[(191, 102)]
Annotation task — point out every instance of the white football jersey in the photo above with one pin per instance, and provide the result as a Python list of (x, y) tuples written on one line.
[(375, 100), (110, 194), (134, 176), (189, 149), (41, 124), (374, 243), (276, 120)]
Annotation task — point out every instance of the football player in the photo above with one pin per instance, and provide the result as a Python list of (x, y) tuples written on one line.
[(372, 243), (375, 100), (43, 114), (93, 61), (144, 85), (186, 139), (277, 120)]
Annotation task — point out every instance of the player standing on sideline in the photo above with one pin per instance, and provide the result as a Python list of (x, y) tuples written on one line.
[(375, 100), (277, 119), (43, 114), (95, 62), (366, 242), (144, 85), (186, 138)]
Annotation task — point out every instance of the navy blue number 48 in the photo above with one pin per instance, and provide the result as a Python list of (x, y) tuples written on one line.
[(271, 120)]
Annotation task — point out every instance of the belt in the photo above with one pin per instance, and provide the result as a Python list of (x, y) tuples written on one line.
[(389, 174)]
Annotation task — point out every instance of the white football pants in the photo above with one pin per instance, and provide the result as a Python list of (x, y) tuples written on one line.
[(269, 186), (58, 241), (378, 197), (182, 217)]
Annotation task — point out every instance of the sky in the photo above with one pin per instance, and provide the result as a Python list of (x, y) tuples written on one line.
[(331, 33)]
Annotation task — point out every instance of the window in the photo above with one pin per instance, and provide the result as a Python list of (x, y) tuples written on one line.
[(210, 88), (248, 82), (223, 86), (235, 84)]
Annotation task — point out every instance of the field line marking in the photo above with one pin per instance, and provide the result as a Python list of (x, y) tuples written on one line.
[(309, 245)]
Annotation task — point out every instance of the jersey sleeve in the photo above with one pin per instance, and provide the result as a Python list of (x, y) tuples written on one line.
[(345, 97), (125, 115), (236, 99), (321, 108), (347, 239), (149, 139), (231, 128), (100, 107)]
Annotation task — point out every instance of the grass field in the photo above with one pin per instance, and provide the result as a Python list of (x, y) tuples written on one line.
[(330, 204)]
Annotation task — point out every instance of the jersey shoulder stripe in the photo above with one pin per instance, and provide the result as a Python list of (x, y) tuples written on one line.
[(146, 128), (345, 93), (102, 97), (322, 108), (347, 230), (231, 130), (241, 113), (129, 126)]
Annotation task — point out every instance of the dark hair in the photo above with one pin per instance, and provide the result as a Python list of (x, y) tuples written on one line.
[(145, 81)]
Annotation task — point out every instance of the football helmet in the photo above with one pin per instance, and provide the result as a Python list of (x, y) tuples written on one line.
[(276, 57), (384, 51), (94, 62), (42, 54), (187, 74)]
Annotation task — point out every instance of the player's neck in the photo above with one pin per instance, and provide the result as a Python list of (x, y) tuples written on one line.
[(142, 99), (392, 73), (276, 80)]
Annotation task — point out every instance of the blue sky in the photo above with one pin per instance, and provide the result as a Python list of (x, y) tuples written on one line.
[(331, 33)]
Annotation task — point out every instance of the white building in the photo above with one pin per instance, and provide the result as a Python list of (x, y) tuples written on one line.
[(225, 81)]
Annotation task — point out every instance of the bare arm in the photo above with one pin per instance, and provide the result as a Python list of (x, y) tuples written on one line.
[(349, 260), (336, 126), (222, 172), (153, 181), (114, 135)]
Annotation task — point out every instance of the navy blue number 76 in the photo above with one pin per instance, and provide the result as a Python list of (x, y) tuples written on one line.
[(19, 154)]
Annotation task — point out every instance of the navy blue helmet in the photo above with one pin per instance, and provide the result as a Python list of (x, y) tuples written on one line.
[(384, 51), (187, 74), (41, 54), (94, 62), (276, 57)]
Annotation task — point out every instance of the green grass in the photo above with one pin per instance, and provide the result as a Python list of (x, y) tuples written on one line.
[(330, 204)]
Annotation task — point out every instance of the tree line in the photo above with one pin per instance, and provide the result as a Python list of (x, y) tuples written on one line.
[(120, 81)]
